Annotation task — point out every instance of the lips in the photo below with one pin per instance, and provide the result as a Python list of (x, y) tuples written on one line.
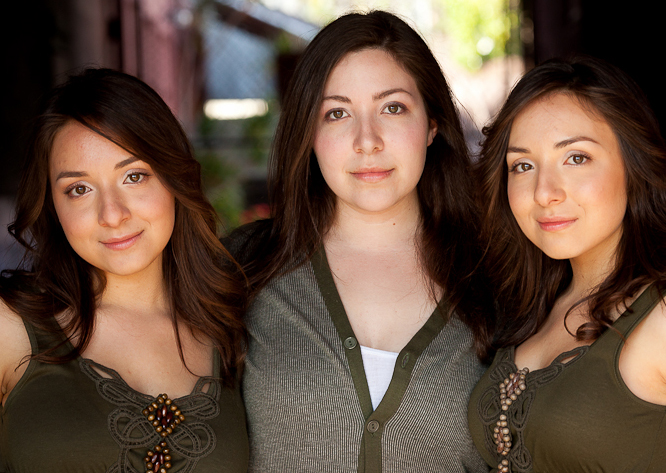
[(372, 174), (122, 242), (553, 224)]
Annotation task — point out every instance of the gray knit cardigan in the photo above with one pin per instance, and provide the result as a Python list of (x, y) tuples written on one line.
[(307, 399)]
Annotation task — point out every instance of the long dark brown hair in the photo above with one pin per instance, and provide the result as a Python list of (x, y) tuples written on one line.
[(303, 206), (527, 281), (204, 285)]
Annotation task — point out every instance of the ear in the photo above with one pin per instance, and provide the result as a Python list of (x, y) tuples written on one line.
[(432, 131)]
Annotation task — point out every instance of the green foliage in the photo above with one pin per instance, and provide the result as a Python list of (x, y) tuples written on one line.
[(479, 29), (223, 189), (259, 130), (222, 167)]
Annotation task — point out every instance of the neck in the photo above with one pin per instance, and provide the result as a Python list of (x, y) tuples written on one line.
[(590, 271), (394, 228), (140, 293)]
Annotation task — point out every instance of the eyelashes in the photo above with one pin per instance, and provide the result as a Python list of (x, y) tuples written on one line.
[(73, 191), (575, 159), (393, 108), (336, 114), (520, 167), (578, 158), (136, 177), (79, 189)]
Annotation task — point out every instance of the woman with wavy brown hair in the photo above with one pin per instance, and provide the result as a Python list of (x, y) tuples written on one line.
[(366, 311), (121, 339), (573, 181)]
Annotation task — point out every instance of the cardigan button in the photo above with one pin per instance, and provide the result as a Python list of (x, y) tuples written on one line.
[(373, 426), (405, 360), (350, 343)]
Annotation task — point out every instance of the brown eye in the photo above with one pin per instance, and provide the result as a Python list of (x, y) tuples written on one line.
[(134, 177), (337, 114), (79, 190), (521, 167), (393, 109), (578, 159)]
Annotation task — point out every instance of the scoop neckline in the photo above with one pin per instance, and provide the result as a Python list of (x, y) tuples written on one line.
[(579, 351), (196, 389)]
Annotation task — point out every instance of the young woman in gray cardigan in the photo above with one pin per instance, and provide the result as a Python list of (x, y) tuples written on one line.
[(366, 309)]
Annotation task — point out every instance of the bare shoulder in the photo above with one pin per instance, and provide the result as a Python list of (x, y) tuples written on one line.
[(14, 346), (643, 359)]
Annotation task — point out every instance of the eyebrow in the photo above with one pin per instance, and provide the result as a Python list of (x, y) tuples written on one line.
[(558, 145), (119, 165), (125, 162), (386, 93), (378, 96), (575, 139)]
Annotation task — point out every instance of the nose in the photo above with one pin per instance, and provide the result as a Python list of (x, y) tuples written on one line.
[(112, 209), (549, 189), (368, 136)]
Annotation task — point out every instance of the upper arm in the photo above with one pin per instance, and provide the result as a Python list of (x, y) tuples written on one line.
[(14, 347), (643, 358)]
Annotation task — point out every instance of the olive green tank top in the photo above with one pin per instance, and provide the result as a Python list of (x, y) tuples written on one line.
[(575, 415), (70, 418)]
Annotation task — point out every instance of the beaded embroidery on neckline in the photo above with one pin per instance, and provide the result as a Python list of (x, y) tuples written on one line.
[(131, 429), (518, 458)]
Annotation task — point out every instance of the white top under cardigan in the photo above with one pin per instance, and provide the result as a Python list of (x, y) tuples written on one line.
[(378, 366)]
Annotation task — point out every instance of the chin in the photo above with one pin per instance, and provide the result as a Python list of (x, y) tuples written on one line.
[(558, 253)]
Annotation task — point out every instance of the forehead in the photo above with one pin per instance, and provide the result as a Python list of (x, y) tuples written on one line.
[(369, 69), (77, 146), (560, 114)]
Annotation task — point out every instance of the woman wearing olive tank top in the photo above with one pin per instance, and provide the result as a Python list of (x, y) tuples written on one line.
[(120, 337), (573, 179)]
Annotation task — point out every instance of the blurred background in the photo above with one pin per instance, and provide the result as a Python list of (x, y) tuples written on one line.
[(223, 65)]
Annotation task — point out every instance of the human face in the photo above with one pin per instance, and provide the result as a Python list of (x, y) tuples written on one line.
[(372, 133), (115, 212), (566, 185)]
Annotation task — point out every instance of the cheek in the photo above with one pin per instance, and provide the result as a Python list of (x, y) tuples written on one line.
[(325, 149), (77, 228), (170, 218), (160, 207), (603, 191), (612, 201), (329, 159), (73, 222), (167, 216), (520, 203), (516, 197)]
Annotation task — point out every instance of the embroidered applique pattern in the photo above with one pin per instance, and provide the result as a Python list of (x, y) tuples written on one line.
[(137, 436), (518, 458)]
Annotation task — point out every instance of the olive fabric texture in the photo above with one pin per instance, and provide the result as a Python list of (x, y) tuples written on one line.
[(576, 415), (82, 417)]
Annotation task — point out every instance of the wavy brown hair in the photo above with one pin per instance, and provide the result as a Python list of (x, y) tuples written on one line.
[(204, 285), (527, 281), (303, 206)]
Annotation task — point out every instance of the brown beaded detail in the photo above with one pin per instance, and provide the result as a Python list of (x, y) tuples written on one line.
[(510, 389), (158, 460), (165, 416)]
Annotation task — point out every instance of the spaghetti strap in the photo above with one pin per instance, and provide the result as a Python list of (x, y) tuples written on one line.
[(638, 310)]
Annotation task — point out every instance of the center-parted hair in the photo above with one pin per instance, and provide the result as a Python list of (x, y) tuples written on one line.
[(302, 204), (204, 285), (526, 280)]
